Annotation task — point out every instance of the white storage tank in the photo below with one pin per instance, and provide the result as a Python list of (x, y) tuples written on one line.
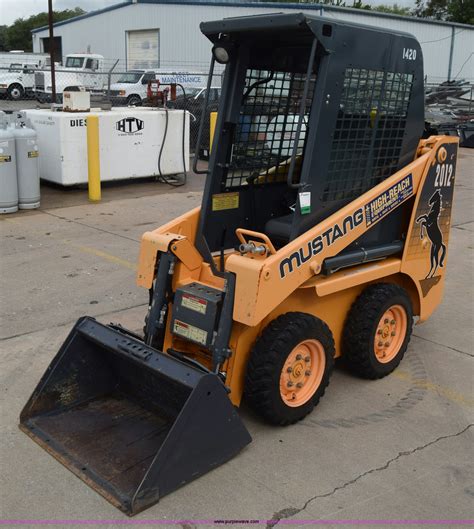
[(130, 141), (8, 181), (26, 149)]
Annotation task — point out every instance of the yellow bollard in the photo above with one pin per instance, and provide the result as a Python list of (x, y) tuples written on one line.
[(93, 158), (212, 128)]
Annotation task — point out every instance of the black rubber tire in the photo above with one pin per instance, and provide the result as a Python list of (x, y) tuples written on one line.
[(267, 358), (361, 326), (15, 92), (134, 100)]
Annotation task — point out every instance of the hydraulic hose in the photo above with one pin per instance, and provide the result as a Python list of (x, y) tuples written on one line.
[(161, 176)]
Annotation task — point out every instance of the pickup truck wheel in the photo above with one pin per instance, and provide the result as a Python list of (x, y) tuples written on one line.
[(15, 92), (134, 100), (289, 368)]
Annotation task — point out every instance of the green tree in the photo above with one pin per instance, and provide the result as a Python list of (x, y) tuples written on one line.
[(451, 10), (394, 9), (3, 38), (18, 35), (461, 11)]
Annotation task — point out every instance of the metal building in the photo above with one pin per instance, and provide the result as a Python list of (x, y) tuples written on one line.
[(165, 34)]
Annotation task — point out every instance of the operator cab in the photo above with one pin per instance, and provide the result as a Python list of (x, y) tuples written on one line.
[(308, 121)]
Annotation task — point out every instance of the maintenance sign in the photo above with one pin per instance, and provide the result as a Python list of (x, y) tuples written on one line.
[(388, 200)]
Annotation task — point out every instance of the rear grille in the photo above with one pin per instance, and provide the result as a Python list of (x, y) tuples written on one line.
[(39, 80)]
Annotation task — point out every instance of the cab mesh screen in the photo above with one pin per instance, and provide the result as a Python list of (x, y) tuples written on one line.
[(266, 132), (369, 131)]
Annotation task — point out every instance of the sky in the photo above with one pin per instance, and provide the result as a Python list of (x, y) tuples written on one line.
[(10, 10)]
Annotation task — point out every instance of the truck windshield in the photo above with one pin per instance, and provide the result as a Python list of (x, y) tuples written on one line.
[(194, 92), (74, 62), (130, 77)]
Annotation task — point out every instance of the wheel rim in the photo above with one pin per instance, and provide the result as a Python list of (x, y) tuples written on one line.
[(390, 333), (15, 93), (302, 373)]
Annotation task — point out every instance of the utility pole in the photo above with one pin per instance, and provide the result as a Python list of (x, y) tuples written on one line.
[(51, 49)]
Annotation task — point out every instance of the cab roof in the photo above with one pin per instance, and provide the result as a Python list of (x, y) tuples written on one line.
[(300, 23)]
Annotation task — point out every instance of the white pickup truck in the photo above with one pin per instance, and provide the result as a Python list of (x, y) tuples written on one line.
[(80, 70), (18, 81), (131, 87)]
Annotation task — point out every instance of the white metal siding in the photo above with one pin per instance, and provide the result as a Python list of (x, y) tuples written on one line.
[(183, 46), (463, 58)]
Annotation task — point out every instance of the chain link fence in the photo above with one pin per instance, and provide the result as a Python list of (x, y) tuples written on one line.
[(25, 86), (448, 104)]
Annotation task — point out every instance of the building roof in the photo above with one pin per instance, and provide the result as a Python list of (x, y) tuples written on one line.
[(255, 4)]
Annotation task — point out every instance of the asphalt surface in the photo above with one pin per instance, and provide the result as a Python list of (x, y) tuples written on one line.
[(399, 448)]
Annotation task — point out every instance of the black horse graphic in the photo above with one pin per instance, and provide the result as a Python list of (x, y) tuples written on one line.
[(430, 223)]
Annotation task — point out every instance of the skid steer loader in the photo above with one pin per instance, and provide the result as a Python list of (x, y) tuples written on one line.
[(323, 232)]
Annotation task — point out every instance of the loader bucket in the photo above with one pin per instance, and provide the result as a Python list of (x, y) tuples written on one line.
[(131, 422)]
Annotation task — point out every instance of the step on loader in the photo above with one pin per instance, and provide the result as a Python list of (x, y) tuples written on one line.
[(323, 232)]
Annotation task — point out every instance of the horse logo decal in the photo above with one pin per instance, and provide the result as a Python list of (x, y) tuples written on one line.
[(429, 223)]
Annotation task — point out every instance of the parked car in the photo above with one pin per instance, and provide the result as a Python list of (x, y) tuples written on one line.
[(192, 101)]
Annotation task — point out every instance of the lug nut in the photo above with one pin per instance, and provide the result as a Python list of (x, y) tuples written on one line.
[(307, 358), (289, 370), (290, 384), (299, 385), (307, 372), (298, 357), (385, 320), (380, 344), (393, 322), (393, 333), (387, 344), (379, 331)]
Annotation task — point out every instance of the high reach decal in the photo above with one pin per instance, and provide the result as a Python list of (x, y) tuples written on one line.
[(372, 212), (388, 200)]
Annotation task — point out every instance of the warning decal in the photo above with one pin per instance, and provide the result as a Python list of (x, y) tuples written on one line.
[(190, 332), (222, 201), (194, 303), (388, 200)]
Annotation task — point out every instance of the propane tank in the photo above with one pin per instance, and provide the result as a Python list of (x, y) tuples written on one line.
[(8, 180), (26, 148)]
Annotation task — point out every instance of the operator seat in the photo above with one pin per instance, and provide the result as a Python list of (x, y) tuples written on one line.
[(278, 229)]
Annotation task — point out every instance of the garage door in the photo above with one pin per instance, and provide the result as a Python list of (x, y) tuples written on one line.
[(143, 49)]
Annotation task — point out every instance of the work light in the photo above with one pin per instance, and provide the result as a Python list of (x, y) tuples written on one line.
[(221, 54)]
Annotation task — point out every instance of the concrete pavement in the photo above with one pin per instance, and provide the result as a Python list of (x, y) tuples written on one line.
[(397, 448)]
